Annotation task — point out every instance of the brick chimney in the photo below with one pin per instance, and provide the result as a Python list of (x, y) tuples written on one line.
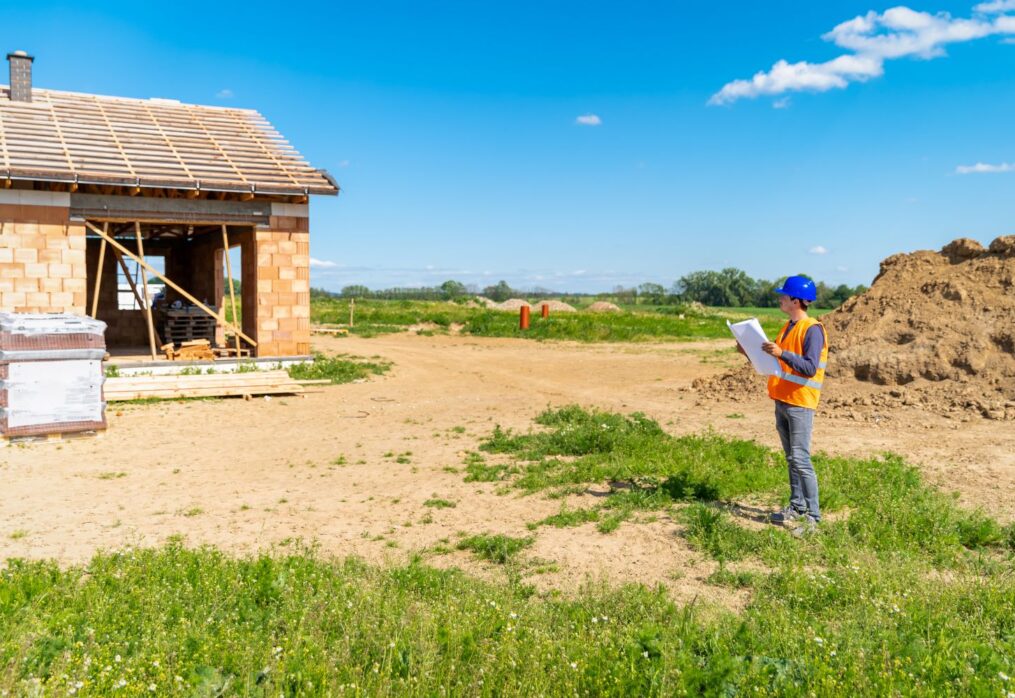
[(21, 76)]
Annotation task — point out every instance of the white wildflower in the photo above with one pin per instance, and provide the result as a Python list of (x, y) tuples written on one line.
[(1003, 676), (117, 659), (574, 665), (819, 640)]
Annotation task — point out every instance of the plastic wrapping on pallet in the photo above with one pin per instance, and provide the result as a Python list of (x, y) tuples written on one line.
[(52, 392), (51, 374)]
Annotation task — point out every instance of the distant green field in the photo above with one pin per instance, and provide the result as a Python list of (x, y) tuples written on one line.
[(636, 323)]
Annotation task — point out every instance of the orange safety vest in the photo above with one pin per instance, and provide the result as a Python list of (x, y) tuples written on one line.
[(789, 386)]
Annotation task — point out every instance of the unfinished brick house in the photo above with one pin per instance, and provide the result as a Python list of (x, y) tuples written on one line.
[(123, 208)]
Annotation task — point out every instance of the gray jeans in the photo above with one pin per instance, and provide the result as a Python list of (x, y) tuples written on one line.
[(795, 425)]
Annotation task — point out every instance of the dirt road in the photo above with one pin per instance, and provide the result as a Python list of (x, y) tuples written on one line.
[(351, 466)]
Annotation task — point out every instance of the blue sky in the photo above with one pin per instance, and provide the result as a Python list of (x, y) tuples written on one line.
[(454, 129)]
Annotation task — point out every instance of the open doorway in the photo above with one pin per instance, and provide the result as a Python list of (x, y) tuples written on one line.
[(232, 292)]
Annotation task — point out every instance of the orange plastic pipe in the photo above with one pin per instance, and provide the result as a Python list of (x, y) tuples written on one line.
[(545, 310), (523, 317)]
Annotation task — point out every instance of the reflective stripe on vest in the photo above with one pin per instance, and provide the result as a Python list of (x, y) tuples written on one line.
[(799, 380)]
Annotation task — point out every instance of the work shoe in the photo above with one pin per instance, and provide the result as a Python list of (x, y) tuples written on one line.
[(807, 526), (785, 516)]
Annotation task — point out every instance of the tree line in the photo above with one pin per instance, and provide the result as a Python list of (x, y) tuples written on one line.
[(728, 287)]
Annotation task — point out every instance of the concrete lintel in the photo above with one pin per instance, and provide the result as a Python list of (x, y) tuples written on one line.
[(145, 208), (29, 197), (292, 210)]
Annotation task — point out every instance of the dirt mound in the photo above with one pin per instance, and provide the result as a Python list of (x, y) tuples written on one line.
[(936, 331), (480, 302), (555, 306), (604, 307), (511, 304)]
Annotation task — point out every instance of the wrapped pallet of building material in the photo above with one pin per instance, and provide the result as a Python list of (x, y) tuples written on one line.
[(51, 374)]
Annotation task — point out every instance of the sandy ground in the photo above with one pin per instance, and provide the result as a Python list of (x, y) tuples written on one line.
[(249, 475)]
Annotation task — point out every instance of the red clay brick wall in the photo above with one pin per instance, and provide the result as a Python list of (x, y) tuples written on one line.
[(283, 287), (42, 258)]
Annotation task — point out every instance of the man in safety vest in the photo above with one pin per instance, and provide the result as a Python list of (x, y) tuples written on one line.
[(802, 350)]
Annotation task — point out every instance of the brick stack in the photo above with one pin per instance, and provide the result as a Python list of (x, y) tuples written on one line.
[(50, 374), (283, 286)]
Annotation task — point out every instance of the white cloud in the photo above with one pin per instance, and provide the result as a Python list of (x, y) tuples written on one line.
[(872, 39), (588, 120), (995, 7), (321, 264), (818, 249), (224, 93), (984, 168), (782, 103)]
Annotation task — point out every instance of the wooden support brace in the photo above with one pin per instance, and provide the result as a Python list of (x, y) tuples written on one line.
[(98, 274), (147, 296), (229, 277), (169, 282)]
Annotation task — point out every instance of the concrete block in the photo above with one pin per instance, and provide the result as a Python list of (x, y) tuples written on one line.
[(36, 271), (39, 299), (13, 299), (26, 255), (60, 270), (49, 284), (62, 299), (75, 285), (29, 285)]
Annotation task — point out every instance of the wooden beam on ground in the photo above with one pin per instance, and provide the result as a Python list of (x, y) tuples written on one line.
[(229, 276), (98, 274), (147, 296), (169, 282)]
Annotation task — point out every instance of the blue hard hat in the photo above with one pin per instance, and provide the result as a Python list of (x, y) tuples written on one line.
[(799, 287)]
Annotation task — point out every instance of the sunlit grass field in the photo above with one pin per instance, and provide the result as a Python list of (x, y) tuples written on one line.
[(636, 323), (901, 592)]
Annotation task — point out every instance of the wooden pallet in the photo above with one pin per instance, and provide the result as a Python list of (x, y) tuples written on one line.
[(181, 326), (48, 438), (214, 385)]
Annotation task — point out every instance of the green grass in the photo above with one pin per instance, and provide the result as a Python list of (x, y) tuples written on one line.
[(639, 323), (438, 503), (901, 592), (342, 368), (495, 548)]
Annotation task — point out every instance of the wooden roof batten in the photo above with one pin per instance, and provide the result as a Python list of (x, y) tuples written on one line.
[(81, 139)]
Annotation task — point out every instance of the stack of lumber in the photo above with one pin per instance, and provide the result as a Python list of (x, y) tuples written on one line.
[(194, 350), (214, 385), (186, 325)]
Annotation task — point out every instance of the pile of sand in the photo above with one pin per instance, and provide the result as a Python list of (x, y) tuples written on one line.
[(555, 306), (936, 331), (510, 304), (480, 302), (604, 307)]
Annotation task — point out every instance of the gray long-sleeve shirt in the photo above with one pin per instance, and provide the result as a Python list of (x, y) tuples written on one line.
[(814, 342)]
